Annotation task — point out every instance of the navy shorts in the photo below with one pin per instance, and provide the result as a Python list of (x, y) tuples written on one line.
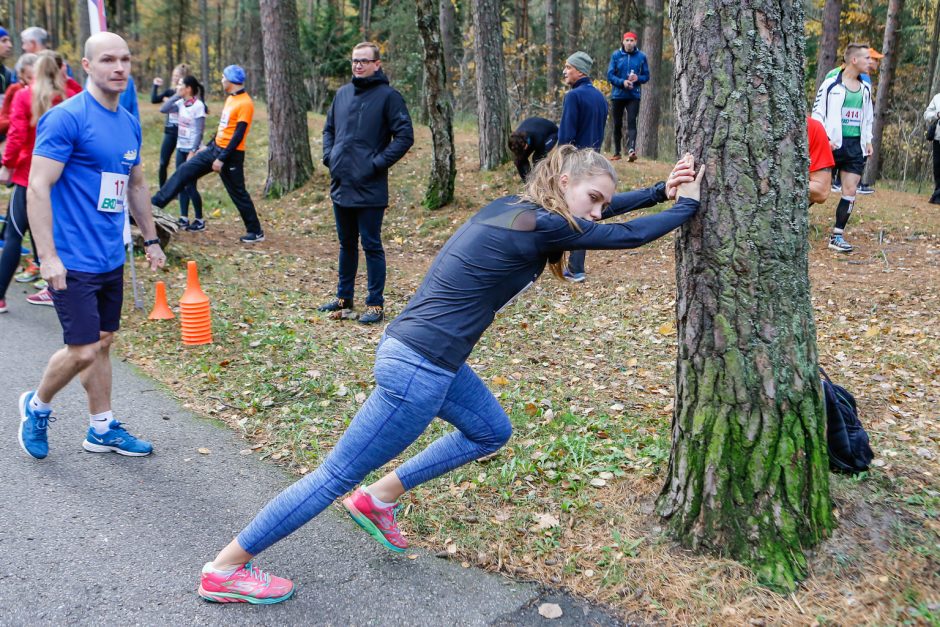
[(849, 157), (89, 304)]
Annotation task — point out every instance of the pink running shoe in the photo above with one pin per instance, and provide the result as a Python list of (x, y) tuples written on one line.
[(378, 522), (248, 584)]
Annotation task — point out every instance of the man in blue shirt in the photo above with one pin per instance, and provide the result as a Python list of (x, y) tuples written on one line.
[(86, 165), (583, 120)]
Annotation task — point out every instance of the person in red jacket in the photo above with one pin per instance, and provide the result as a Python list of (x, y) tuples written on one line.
[(46, 90), (24, 74)]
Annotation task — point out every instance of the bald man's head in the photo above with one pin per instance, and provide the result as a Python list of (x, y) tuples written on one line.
[(101, 41), (107, 62)]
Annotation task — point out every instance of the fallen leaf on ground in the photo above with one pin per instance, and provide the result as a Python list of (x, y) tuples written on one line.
[(550, 610)]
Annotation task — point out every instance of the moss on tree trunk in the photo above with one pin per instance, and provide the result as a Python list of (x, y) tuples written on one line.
[(748, 475)]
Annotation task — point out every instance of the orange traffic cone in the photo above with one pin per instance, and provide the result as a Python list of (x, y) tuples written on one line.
[(194, 310), (161, 309)]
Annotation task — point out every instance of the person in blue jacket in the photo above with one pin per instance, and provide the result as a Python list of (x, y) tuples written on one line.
[(583, 120), (628, 70), (420, 365), (367, 131)]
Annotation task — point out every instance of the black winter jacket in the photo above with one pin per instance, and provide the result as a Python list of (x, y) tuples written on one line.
[(367, 130)]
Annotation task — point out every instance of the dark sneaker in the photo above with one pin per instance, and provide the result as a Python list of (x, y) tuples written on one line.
[(182, 222), (252, 238), (116, 440), (337, 304), (573, 277), (33, 426), (865, 189), (631, 156), (373, 314), (838, 244), (836, 188), (197, 225)]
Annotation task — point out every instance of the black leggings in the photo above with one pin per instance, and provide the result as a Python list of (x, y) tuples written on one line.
[(632, 108), (17, 225), (189, 193), (166, 151)]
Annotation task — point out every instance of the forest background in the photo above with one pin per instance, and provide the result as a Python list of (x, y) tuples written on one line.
[(538, 35)]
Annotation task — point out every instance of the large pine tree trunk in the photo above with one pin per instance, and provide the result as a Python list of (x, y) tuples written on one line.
[(289, 161), (648, 125), (748, 474), (883, 97), (829, 41), (492, 99), (573, 41), (440, 110), (551, 48)]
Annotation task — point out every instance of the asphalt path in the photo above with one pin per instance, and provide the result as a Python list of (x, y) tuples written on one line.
[(104, 539)]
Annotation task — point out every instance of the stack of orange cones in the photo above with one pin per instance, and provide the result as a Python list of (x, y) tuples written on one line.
[(194, 310), (161, 309)]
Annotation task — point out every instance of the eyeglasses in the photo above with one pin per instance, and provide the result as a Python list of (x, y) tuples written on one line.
[(363, 61)]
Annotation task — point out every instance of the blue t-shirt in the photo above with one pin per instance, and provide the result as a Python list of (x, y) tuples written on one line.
[(98, 147)]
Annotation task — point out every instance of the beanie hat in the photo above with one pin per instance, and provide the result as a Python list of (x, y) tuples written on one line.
[(581, 62), (3, 32), (630, 35), (234, 74)]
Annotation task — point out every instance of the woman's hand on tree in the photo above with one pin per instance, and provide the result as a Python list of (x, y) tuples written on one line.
[(683, 172)]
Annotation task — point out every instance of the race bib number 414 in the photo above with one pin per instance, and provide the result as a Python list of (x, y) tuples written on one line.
[(112, 193)]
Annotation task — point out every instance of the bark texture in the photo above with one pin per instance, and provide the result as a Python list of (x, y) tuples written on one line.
[(748, 474), (440, 109), (492, 98), (883, 95), (826, 56), (289, 161), (650, 103)]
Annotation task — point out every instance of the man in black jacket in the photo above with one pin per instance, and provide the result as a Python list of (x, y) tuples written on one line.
[(367, 130), (534, 137)]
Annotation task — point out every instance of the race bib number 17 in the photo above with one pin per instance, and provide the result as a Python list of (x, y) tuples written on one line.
[(112, 192)]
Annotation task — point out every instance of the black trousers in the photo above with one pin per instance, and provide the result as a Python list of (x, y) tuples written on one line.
[(170, 134), (632, 107), (935, 197), (355, 224), (232, 175), (189, 193)]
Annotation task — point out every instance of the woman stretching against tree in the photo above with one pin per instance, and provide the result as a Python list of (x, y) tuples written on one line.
[(420, 368)]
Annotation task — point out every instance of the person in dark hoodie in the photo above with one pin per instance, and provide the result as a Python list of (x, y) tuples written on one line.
[(225, 154), (533, 138), (583, 120), (367, 131), (628, 70)]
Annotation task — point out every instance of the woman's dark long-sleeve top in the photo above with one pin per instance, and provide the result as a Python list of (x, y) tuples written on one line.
[(499, 253), (158, 97)]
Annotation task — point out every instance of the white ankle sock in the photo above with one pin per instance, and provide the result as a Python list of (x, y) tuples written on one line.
[(101, 422), (376, 500), (37, 405), (209, 568)]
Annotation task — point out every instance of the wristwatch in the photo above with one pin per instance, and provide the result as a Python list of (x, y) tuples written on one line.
[(150, 242)]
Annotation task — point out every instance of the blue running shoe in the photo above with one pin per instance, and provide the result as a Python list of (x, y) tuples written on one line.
[(116, 440), (573, 277), (33, 425)]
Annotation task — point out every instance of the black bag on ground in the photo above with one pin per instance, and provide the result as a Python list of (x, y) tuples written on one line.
[(849, 450)]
